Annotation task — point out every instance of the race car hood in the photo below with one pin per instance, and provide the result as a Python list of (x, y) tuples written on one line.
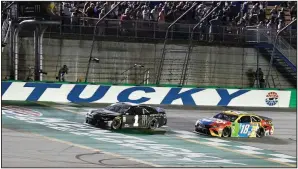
[(211, 121)]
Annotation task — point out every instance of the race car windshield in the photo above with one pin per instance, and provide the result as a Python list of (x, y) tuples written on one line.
[(226, 117), (118, 108)]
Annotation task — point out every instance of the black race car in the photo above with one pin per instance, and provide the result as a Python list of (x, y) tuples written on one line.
[(126, 115)]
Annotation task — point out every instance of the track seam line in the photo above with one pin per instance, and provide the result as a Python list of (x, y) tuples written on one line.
[(226, 149), (94, 149)]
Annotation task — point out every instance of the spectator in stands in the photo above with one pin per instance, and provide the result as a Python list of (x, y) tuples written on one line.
[(259, 76), (170, 16), (161, 19), (146, 13), (293, 11), (154, 13), (281, 15), (97, 10), (66, 13), (274, 13), (214, 29), (262, 15), (270, 26), (124, 21), (280, 25), (244, 8), (86, 5), (115, 13), (75, 17), (62, 72), (203, 30), (238, 17)]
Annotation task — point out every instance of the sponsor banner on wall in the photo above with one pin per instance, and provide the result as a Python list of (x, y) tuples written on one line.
[(80, 93)]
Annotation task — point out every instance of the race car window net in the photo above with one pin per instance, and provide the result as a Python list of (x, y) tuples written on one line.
[(150, 110), (255, 119)]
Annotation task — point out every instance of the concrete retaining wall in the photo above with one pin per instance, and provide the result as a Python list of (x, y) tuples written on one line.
[(209, 65)]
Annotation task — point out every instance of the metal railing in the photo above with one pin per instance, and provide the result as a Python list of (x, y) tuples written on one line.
[(140, 29), (287, 50), (151, 30), (275, 41)]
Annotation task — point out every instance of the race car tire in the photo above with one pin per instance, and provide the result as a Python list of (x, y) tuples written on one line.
[(165, 122), (260, 133), (226, 132), (153, 124), (116, 123)]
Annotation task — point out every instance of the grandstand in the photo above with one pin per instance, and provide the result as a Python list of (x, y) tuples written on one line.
[(232, 40)]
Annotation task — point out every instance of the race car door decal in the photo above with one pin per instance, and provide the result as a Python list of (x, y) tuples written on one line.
[(130, 118), (245, 126)]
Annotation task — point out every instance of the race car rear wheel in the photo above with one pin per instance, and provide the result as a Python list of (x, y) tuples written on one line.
[(260, 132), (116, 123), (153, 124), (226, 132)]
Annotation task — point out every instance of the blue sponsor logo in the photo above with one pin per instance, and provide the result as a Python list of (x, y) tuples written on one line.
[(123, 96)]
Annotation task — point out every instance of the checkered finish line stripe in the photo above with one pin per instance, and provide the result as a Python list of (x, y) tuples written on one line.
[(271, 155)]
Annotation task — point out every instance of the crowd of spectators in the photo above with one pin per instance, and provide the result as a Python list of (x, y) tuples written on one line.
[(228, 15), (235, 13)]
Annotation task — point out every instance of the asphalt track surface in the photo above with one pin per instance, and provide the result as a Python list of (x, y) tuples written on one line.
[(59, 153), (283, 140)]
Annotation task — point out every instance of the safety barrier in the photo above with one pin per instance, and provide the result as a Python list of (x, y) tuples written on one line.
[(87, 93)]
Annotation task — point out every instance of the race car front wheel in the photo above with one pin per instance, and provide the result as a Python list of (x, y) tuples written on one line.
[(116, 124), (226, 132)]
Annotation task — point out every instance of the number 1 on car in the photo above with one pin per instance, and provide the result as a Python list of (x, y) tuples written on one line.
[(136, 120)]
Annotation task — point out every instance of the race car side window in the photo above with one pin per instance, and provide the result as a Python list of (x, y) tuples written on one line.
[(244, 119), (132, 111), (255, 119), (139, 111), (135, 111)]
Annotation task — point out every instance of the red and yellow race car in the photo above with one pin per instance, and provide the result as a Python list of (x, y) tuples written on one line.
[(235, 124)]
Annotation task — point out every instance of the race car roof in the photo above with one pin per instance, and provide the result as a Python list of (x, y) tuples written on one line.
[(127, 103), (235, 112)]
